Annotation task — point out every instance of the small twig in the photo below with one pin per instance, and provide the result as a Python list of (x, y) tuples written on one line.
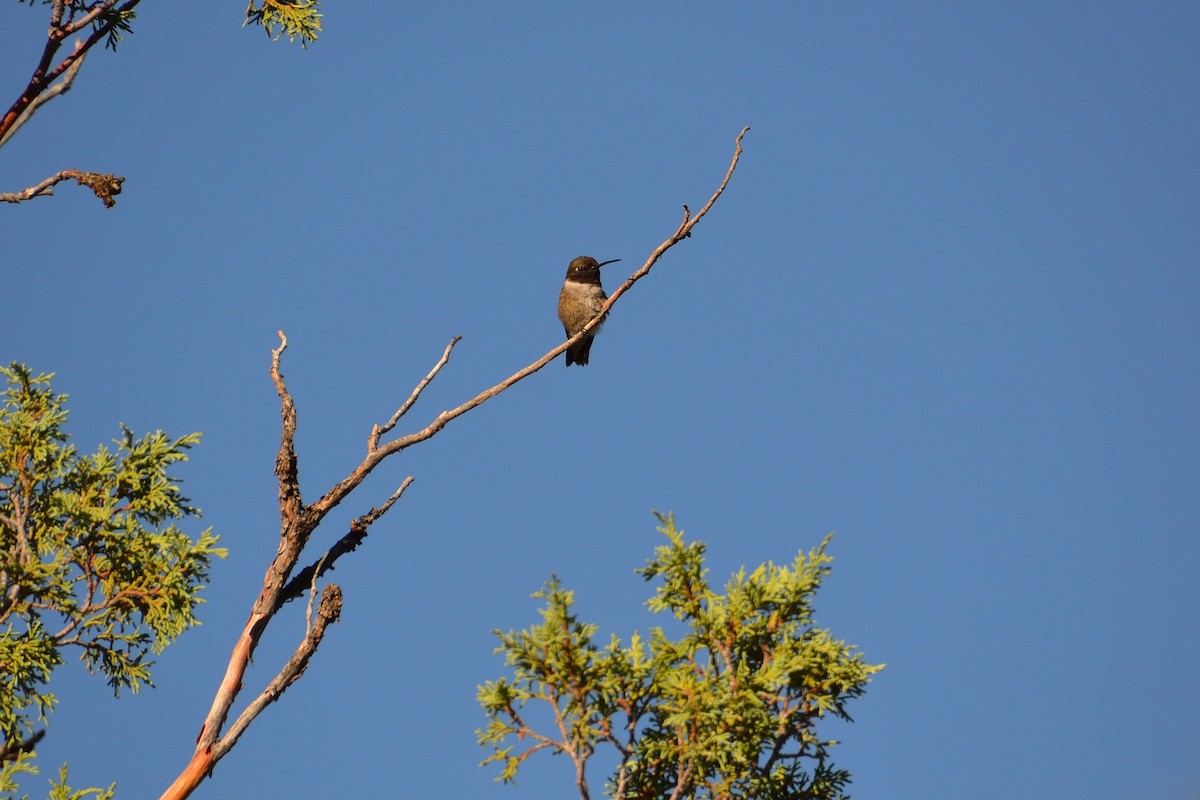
[(682, 232), (312, 594), (523, 731), (104, 185), (377, 431), (90, 17)]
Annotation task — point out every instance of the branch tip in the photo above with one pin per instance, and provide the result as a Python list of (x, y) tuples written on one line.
[(379, 430)]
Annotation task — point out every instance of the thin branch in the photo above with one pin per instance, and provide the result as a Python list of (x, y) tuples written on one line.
[(683, 232), (377, 431), (626, 751), (56, 13), (62, 87), (542, 744), (339, 491), (312, 595), (348, 543), (578, 750), (90, 17), (104, 185), (42, 88), (329, 611), (682, 780), (523, 730)]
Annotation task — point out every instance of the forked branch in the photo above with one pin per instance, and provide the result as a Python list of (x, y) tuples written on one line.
[(299, 520), (379, 430), (40, 83), (49, 93)]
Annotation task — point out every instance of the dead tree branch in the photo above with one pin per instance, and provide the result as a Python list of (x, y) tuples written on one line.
[(379, 430), (104, 186), (349, 542), (299, 520), (328, 611)]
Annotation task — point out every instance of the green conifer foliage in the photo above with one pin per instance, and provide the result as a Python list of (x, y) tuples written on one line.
[(91, 559), (728, 710)]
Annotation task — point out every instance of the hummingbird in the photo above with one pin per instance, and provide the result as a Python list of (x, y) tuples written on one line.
[(578, 302)]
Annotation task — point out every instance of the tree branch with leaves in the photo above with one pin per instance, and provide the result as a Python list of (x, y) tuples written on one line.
[(91, 558), (728, 710)]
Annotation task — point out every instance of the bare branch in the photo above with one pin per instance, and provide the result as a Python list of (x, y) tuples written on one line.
[(682, 781), (581, 778), (209, 748), (103, 185), (295, 527), (312, 595), (298, 521), (339, 491), (56, 13), (348, 543), (62, 87), (626, 751), (524, 730), (329, 611), (377, 431), (286, 468), (683, 232)]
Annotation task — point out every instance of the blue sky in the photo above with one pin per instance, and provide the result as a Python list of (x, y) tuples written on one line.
[(947, 308)]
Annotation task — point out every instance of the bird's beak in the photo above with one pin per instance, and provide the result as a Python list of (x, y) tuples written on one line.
[(610, 261)]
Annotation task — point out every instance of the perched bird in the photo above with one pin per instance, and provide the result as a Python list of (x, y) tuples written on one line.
[(578, 302)]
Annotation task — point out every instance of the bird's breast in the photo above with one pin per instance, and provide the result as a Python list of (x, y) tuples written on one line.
[(578, 303)]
